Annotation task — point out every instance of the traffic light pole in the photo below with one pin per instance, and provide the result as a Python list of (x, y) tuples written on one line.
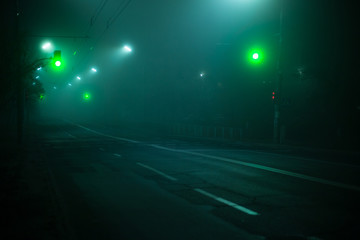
[(278, 82)]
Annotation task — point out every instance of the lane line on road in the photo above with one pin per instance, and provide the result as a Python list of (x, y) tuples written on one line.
[(238, 162), (70, 135), (117, 155), (103, 134), (157, 171), (226, 202), (270, 169)]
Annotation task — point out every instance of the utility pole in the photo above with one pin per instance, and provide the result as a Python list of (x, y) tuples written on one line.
[(279, 79)]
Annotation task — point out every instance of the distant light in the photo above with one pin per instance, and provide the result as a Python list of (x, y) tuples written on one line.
[(86, 96), (70, 84), (34, 83), (79, 78), (54, 87), (93, 69), (255, 56), (127, 48), (202, 74), (58, 63), (37, 77), (39, 68)]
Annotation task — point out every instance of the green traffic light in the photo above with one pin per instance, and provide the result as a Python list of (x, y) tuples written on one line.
[(256, 56), (57, 62), (86, 96)]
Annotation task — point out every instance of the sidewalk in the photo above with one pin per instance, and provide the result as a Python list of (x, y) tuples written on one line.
[(28, 206)]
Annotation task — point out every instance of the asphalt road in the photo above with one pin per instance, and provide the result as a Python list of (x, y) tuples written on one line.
[(113, 185)]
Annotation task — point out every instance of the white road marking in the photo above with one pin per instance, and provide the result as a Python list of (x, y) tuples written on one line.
[(270, 169), (157, 171), (103, 134), (70, 135), (226, 202), (117, 155), (238, 162)]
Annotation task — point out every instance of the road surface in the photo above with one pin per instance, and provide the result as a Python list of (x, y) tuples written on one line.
[(112, 185)]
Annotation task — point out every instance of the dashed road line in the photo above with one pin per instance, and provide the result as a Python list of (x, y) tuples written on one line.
[(157, 171), (117, 155), (227, 202)]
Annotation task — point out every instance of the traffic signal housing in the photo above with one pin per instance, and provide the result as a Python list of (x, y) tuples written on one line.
[(57, 60)]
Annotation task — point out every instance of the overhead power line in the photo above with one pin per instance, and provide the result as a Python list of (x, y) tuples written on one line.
[(97, 12), (117, 13)]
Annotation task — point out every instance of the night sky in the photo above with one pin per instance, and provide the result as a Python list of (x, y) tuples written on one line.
[(173, 42)]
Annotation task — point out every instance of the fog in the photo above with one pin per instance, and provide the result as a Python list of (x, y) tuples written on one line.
[(189, 64)]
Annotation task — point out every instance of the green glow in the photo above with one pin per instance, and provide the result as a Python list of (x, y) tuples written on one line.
[(57, 61), (86, 96), (41, 97), (256, 56)]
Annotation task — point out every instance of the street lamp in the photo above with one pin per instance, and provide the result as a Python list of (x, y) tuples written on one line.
[(127, 48), (47, 46), (94, 70)]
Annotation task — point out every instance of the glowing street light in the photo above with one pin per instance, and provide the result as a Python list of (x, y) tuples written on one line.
[(127, 48), (93, 70), (46, 46), (78, 78)]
